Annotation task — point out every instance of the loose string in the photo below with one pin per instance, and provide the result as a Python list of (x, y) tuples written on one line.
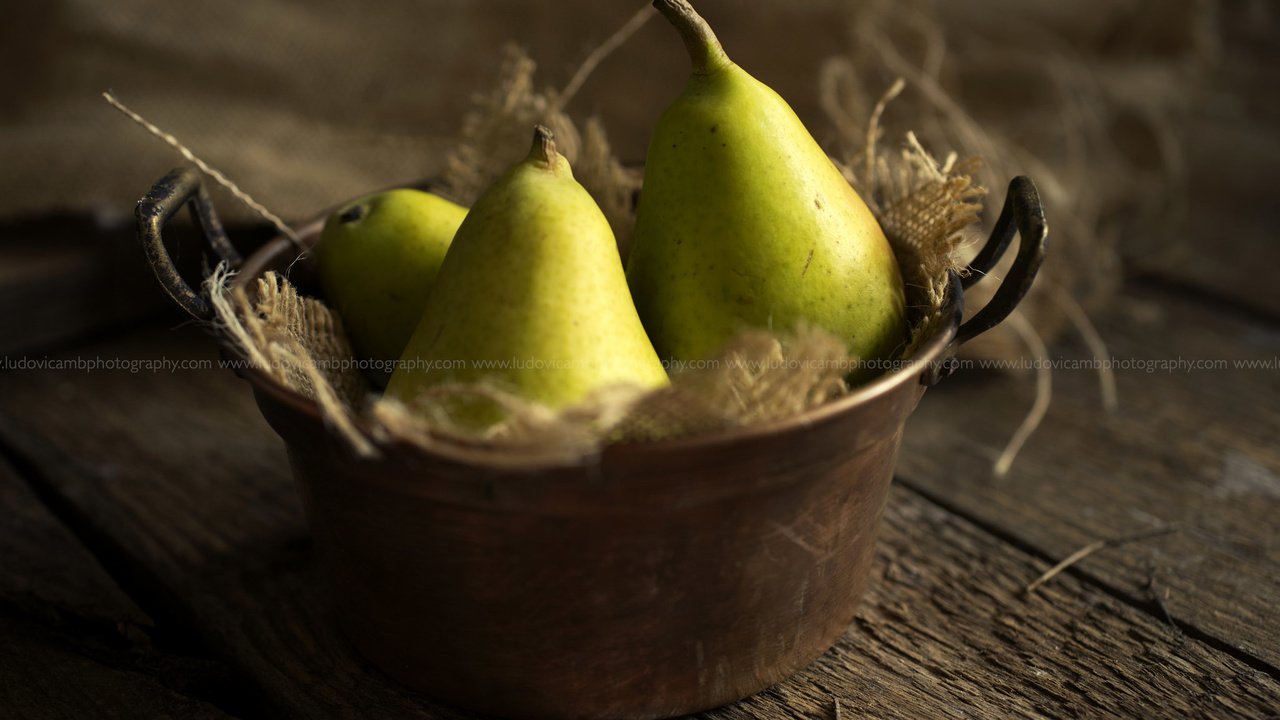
[(205, 168), (1044, 393), (604, 50)]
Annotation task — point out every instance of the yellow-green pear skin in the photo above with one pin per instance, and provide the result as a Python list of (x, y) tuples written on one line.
[(744, 221), (532, 299), (377, 259)]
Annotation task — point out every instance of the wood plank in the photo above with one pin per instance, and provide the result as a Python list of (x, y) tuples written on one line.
[(181, 474), (64, 277), (1191, 448), (184, 477), (44, 676), (67, 277), (72, 644), (946, 633), (48, 574)]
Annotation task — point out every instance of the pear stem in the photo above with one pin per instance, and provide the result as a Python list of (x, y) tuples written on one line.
[(544, 146), (705, 51)]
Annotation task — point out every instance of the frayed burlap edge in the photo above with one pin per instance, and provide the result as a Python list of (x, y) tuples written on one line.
[(297, 342)]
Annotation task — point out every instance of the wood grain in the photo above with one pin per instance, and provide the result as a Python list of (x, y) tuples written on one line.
[(48, 677), (190, 492), (946, 633), (179, 471), (72, 644), (47, 573), (1191, 448)]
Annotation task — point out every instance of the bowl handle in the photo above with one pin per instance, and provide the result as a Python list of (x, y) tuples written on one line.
[(181, 187), (1022, 214)]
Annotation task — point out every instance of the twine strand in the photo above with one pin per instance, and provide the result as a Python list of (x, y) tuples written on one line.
[(604, 50), (205, 168)]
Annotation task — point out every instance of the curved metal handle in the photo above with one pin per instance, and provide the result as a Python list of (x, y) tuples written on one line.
[(1022, 214), (180, 187)]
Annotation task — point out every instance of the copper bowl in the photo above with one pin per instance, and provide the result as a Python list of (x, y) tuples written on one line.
[(654, 579)]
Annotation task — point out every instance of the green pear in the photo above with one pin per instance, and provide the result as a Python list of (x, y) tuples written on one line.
[(531, 299), (744, 221), (378, 258)]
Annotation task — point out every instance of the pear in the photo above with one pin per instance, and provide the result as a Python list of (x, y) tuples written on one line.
[(378, 258), (744, 221), (531, 299)]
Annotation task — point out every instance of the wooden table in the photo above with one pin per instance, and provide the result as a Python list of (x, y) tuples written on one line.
[(156, 562)]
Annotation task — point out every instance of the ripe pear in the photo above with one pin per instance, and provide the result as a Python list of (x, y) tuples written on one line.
[(531, 299), (744, 221), (378, 258)]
